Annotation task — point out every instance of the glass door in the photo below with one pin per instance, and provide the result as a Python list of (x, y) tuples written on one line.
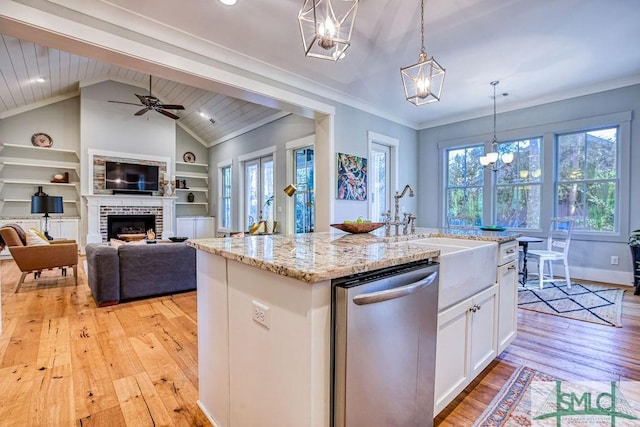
[(378, 182), (304, 197)]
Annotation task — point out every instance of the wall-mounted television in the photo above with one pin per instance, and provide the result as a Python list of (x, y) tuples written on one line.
[(132, 177)]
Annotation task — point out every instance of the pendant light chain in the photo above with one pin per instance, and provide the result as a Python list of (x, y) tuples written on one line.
[(422, 25), (495, 140)]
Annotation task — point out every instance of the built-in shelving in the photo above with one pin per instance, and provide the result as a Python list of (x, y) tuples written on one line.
[(39, 164), (196, 176)]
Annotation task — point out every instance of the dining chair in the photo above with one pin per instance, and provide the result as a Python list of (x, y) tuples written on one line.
[(558, 241)]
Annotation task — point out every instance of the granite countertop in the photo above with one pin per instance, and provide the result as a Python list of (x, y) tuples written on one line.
[(314, 257)]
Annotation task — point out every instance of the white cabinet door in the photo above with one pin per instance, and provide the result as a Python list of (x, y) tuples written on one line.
[(508, 304), (467, 343), (205, 227), (64, 228), (484, 327), (185, 228), (452, 367)]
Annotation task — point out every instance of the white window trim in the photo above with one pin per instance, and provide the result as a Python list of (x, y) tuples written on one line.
[(220, 165), (394, 145), (548, 132)]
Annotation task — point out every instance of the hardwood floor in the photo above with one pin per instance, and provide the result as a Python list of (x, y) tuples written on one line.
[(64, 362)]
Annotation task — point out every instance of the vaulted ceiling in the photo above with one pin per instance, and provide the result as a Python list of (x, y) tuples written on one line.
[(540, 51)]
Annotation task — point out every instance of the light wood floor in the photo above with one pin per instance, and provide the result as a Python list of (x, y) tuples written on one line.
[(64, 362)]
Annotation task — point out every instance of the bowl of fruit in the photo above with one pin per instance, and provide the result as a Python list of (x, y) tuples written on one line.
[(358, 226)]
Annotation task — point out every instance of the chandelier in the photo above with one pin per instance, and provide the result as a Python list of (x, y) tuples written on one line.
[(490, 160), (326, 27), (423, 81)]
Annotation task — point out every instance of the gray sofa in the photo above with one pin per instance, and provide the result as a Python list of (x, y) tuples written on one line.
[(135, 271)]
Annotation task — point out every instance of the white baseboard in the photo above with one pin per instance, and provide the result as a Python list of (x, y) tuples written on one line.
[(599, 275)]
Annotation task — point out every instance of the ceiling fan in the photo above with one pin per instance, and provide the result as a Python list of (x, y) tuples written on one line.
[(150, 102)]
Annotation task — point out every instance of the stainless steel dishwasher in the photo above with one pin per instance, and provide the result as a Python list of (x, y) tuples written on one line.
[(384, 346)]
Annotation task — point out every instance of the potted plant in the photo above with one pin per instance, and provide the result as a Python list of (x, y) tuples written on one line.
[(634, 245)]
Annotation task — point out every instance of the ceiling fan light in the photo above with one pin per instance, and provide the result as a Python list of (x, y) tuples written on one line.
[(326, 27)]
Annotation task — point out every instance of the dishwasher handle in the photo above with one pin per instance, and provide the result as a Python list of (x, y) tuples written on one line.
[(389, 294)]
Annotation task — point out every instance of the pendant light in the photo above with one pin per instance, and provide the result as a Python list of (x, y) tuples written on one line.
[(423, 81), (326, 27), (490, 160)]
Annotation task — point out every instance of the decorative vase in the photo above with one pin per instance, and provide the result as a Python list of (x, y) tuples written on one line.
[(269, 224), (191, 197)]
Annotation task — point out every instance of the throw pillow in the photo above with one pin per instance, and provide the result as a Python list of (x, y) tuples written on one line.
[(33, 239), (39, 233)]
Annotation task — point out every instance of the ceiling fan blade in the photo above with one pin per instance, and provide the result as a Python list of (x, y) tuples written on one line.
[(171, 106), (144, 99), (128, 103), (141, 112), (168, 114)]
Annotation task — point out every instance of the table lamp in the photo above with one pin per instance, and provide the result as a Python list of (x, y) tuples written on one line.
[(41, 202)]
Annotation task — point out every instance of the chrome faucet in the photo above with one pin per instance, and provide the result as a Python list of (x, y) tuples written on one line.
[(408, 217)]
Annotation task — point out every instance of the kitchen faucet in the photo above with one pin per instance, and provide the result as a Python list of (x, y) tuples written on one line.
[(408, 217)]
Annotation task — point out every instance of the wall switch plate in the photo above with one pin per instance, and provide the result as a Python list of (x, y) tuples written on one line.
[(261, 314), (280, 210), (614, 260)]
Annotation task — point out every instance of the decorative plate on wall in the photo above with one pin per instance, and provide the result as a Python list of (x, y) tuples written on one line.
[(41, 140), (189, 157)]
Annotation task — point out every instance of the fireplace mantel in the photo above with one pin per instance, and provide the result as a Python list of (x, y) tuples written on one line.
[(97, 201)]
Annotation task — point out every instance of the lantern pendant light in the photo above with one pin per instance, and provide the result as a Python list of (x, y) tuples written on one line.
[(423, 81), (326, 27)]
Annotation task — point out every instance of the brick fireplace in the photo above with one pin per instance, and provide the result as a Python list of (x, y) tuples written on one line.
[(99, 207)]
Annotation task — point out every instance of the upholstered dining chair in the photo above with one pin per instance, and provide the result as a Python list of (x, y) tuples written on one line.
[(35, 258), (558, 241)]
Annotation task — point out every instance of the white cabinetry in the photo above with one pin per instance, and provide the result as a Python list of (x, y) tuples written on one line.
[(64, 228), (196, 178), (196, 227), (508, 298), (23, 168), (467, 343)]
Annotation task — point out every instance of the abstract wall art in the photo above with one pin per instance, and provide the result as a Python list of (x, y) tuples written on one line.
[(352, 177)]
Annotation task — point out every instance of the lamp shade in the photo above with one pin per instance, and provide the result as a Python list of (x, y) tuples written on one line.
[(290, 190), (46, 204)]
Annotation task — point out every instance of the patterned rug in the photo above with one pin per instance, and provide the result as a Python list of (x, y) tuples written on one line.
[(587, 302), (530, 396)]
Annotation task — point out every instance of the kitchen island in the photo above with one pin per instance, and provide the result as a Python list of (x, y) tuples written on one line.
[(264, 318)]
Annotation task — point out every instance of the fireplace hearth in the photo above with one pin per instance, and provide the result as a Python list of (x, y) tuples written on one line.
[(129, 224)]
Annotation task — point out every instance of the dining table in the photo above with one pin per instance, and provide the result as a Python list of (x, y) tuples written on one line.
[(524, 241)]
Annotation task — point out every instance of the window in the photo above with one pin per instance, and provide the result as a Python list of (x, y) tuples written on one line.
[(464, 189), (258, 189), (518, 186), (304, 200), (587, 178), (225, 197), (379, 181)]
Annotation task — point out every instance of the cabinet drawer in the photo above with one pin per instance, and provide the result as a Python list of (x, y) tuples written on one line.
[(508, 252)]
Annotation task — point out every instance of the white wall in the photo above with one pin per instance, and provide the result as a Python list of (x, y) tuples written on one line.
[(113, 127)]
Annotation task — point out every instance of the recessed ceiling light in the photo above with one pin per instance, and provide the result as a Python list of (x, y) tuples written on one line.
[(228, 2)]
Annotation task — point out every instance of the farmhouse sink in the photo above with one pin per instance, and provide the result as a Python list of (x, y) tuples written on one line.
[(466, 267)]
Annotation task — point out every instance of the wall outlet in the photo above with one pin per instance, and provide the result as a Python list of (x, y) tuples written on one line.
[(614, 260), (261, 314)]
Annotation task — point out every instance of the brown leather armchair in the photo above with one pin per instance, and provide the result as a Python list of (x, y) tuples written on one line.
[(34, 259)]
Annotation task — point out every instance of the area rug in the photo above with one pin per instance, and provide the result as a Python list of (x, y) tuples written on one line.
[(533, 398), (587, 302)]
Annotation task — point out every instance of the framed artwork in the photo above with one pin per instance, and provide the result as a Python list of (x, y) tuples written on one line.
[(352, 177)]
